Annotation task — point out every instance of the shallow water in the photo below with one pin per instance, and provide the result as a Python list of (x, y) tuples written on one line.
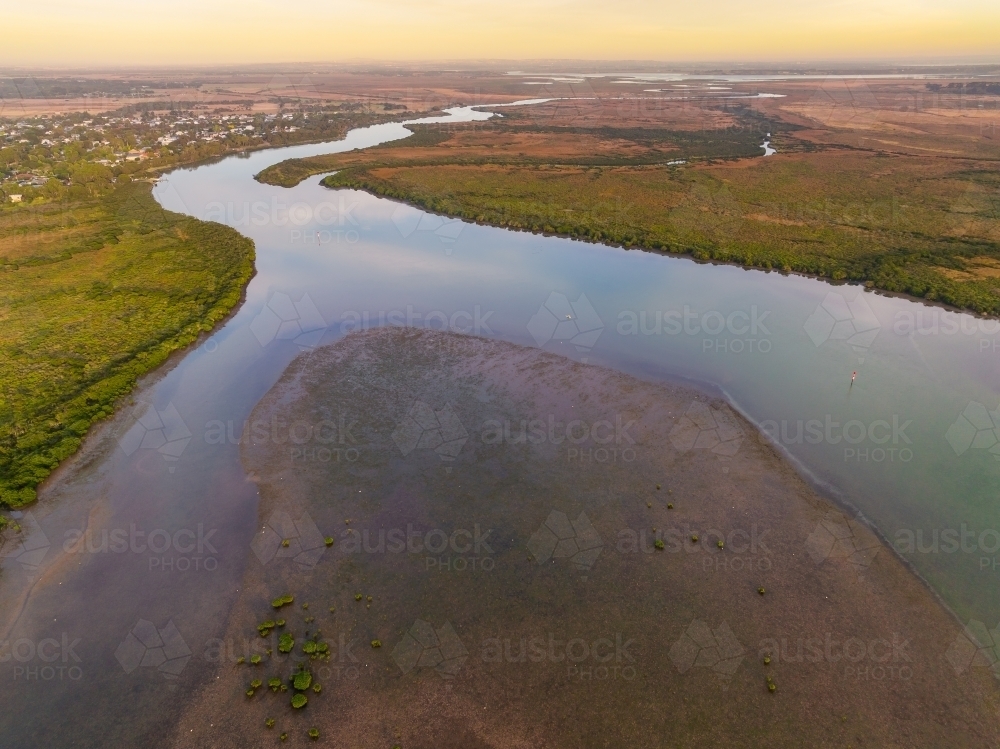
[(908, 443)]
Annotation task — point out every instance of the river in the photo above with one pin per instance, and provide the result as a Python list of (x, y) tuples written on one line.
[(155, 532)]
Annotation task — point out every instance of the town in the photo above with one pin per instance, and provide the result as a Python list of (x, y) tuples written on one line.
[(78, 155)]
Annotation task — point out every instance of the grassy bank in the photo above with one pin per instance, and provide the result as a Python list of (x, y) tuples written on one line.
[(930, 236), (94, 293)]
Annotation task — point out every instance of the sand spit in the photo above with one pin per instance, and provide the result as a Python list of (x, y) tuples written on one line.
[(518, 597)]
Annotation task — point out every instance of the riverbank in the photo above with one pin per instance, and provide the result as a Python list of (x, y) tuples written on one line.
[(105, 292), (922, 226), (529, 603)]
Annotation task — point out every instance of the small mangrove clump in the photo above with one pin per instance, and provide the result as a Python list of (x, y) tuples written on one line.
[(255, 659), (761, 590), (315, 649), (286, 642), (658, 543), (376, 643), (314, 733), (302, 680), (274, 684), (299, 700), (670, 505), (317, 688), (283, 601), (264, 628), (328, 540), (358, 596), (694, 539), (269, 722)]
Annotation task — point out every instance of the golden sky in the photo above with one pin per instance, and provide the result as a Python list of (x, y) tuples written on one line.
[(112, 32)]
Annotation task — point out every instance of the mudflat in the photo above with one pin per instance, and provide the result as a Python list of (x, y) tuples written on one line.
[(488, 545)]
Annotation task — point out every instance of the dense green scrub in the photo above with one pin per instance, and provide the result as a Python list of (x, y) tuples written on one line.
[(95, 293)]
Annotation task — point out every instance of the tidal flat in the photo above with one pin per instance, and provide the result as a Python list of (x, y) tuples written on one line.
[(487, 545)]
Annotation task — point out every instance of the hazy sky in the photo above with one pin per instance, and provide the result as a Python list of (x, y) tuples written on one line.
[(56, 32)]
